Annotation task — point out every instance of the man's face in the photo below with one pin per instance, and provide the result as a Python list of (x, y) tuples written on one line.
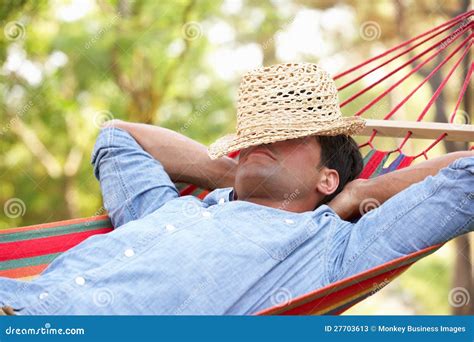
[(277, 170)]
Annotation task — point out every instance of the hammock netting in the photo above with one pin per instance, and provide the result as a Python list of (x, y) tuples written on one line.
[(26, 251)]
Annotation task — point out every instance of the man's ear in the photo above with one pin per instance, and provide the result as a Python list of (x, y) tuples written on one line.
[(328, 181)]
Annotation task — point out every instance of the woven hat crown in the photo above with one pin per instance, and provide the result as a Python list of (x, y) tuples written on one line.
[(286, 95), (282, 102)]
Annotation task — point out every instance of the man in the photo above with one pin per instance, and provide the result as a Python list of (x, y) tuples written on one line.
[(265, 231)]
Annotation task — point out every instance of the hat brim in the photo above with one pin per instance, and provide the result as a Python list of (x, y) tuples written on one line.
[(233, 142)]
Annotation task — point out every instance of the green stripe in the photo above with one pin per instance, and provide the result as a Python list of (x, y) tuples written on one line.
[(39, 260), (368, 156), (380, 166), (55, 231), (181, 186)]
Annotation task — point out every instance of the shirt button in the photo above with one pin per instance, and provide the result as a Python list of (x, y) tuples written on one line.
[(221, 201), (289, 221), (43, 295), (170, 227), (80, 281), (129, 253), (206, 214)]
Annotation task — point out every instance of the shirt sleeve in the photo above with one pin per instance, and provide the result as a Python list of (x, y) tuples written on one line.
[(133, 183), (425, 214)]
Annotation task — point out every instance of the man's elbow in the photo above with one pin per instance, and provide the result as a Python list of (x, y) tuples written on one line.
[(465, 163), (105, 143)]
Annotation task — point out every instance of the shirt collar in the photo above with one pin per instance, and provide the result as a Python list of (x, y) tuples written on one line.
[(219, 196)]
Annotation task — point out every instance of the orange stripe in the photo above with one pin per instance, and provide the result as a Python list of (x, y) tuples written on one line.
[(21, 272), (54, 224)]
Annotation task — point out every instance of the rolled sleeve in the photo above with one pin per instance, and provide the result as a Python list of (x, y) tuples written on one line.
[(133, 183), (425, 214)]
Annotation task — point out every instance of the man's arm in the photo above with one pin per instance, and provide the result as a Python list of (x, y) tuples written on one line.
[(133, 183), (184, 159), (426, 213), (348, 204)]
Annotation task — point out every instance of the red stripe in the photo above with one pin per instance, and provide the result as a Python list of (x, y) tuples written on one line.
[(405, 162), (372, 164), (36, 247)]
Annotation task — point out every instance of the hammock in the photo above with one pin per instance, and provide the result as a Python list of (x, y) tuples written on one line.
[(26, 251)]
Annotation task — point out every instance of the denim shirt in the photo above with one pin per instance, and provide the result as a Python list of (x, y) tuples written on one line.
[(181, 255)]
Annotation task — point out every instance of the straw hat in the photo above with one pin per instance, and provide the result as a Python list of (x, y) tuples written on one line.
[(285, 101)]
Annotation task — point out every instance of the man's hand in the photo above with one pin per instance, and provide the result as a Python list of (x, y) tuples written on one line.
[(360, 195), (184, 159)]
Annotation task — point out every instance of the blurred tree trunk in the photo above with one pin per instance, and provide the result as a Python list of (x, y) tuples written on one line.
[(463, 273), (145, 97)]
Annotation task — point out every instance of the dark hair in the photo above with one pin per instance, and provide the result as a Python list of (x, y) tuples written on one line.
[(342, 154)]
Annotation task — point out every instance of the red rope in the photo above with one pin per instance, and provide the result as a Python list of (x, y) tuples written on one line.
[(435, 96), (461, 94), (369, 142), (458, 18), (446, 42), (443, 83), (441, 43), (423, 153), (370, 104), (395, 57), (401, 103), (463, 90)]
